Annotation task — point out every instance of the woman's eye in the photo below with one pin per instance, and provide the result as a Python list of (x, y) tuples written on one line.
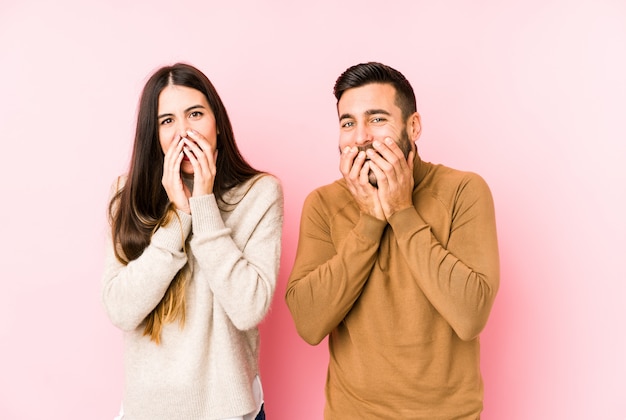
[(166, 121), (195, 114)]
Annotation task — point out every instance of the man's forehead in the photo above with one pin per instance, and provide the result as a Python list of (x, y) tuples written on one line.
[(367, 99)]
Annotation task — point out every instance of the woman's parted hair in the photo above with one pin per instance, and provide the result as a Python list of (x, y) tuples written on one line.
[(141, 205)]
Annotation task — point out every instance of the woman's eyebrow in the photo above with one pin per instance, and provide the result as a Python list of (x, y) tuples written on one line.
[(186, 110)]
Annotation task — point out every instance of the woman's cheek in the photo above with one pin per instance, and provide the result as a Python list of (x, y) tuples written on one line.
[(166, 139)]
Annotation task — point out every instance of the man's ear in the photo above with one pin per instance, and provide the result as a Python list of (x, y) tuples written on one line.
[(414, 126)]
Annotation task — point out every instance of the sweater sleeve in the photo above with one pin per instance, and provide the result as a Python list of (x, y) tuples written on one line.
[(460, 278), (326, 280), (130, 292), (241, 271)]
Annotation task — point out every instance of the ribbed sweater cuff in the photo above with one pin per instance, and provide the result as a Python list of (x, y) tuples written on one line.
[(406, 222), (206, 214), (370, 228), (172, 236)]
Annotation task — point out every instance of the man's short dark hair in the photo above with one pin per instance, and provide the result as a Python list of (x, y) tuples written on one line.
[(372, 72)]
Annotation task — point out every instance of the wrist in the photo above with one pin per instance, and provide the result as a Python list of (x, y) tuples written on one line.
[(184, 209)]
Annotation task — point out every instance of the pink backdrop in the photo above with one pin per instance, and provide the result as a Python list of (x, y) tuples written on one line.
[(530, 94)]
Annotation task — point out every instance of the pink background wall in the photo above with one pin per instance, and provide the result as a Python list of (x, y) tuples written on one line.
[(530, 94)]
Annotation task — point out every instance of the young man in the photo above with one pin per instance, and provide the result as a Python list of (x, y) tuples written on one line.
[(397, 263)]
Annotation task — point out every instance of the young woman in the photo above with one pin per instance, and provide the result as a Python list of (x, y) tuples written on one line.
[(193, 258)]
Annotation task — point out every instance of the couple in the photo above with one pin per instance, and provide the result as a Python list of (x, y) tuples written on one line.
[(397, 262)]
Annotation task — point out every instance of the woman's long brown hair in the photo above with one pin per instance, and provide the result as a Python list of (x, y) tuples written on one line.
[(141, 205)]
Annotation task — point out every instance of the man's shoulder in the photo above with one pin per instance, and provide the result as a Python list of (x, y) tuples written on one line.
[(442, 174), (334, 189), (332, 195), (445, 180)]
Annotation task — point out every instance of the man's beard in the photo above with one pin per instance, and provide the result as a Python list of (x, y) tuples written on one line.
[(405, 145)]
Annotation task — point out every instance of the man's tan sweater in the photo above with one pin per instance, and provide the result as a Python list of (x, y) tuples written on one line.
[(402, 302)]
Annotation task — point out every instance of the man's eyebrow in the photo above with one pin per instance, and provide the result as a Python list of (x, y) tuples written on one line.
[(187, 110), (368, 112), (377, 111)]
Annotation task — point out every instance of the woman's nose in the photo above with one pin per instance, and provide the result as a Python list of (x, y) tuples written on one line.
[(182, 128)]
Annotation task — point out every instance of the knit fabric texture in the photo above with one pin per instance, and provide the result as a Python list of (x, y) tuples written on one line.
[(204, 370), (402, 301)]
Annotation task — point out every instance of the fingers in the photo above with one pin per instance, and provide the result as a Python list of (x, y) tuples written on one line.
[(200, 141), (394, 174), (347, 160), (172, 160), (174, 150), (389, 157), (355, 169), (387, 154), (176, 191), (202, 150), (203, 157)]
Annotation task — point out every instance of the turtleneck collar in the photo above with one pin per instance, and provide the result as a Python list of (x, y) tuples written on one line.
[(420, 169)]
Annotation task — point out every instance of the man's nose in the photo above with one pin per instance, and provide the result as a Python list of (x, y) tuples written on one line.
[(363, 136)]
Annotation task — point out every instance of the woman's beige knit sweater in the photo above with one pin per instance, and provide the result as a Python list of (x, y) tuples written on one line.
[(205, 369)]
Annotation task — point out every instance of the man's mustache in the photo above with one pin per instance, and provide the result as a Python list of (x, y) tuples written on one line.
[(366, 147), (406, 148)]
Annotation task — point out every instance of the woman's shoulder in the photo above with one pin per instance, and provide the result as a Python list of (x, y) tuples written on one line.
[(266, 181), (260, 188), (261, 184), (119, 182), (263, 187)]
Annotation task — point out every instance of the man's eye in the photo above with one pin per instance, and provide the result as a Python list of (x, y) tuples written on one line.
[(377, 120), (348, 124)]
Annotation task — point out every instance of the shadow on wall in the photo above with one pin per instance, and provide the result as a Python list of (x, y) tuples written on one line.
[(500, 343), (293, 372)]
